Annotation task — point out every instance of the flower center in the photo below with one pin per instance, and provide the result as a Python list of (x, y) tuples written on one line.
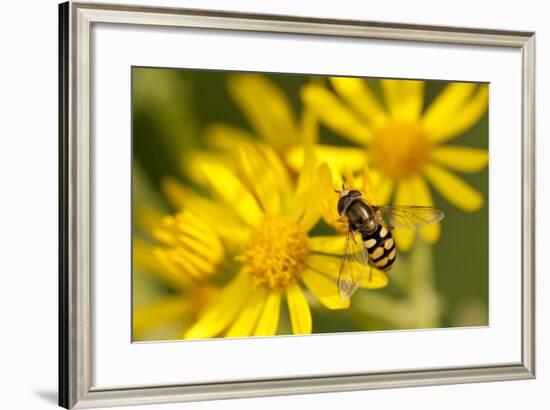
[(401, 149), (276, 253)]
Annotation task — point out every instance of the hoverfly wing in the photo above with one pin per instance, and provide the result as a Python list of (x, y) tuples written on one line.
[(408, 216), (354, 265)]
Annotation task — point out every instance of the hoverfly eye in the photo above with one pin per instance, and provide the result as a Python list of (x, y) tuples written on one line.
[(354, 193), (342, 202)]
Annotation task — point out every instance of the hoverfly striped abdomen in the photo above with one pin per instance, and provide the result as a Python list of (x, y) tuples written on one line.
[(380, 247)]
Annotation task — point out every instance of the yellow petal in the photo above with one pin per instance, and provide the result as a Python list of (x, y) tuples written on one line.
[(158, 313), (230, 189), (194, 259), (192, 163), (224, 222), (190, 230), (336, 156), (173, 274), (330, 266), (307, 171), (189, 250), (346, 177), (368, 186), (260, 178), (454, 189), (383, 188), (244, 325), (328, 199), (445, 106), (462, 159), (278, 168), (422, 196), (180, 263), (177, 194), (266, 107), (404, 238), (185, 262), (374, 279), (324, 289), (357, 93), (300, 315), (269, 319), (305, 206), (465, 117), (404, 98), (324, 176), (326, 264), (327, 244), (190, 224), (312, 214), (334, 114), (309, 127), (144, 259), (223, 310), (166, 237), (303, 183), (225, 137)]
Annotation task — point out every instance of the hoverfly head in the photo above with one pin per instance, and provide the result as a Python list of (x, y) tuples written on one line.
[(345, 200)]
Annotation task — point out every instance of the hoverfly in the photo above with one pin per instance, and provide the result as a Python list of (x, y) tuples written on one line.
[(369, 242)]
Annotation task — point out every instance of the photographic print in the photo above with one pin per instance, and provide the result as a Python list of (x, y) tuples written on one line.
[(283, 204)]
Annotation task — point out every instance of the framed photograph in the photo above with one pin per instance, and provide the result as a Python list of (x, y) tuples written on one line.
[(256, 205)]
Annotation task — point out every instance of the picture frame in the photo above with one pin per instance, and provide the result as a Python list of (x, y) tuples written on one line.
[(76, 351)]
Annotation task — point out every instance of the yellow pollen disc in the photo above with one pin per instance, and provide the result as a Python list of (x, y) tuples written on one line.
[(401, 149), (276, 254)]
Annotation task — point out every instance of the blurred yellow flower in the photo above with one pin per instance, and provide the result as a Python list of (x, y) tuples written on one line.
[(404, 145), (269, 113), (173, 259), (165, 316), (193, 249), (276, 255)]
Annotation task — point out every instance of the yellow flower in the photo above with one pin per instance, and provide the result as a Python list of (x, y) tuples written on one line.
[(193, 249), (269, 113), (404, 145), (164, 315), (173, 259), (277, 256)]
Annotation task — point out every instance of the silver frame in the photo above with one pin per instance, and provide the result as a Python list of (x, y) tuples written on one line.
[(75, 353)]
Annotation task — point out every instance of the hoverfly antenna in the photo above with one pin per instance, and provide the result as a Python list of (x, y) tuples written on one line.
[(338, 192), (343, 187)]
